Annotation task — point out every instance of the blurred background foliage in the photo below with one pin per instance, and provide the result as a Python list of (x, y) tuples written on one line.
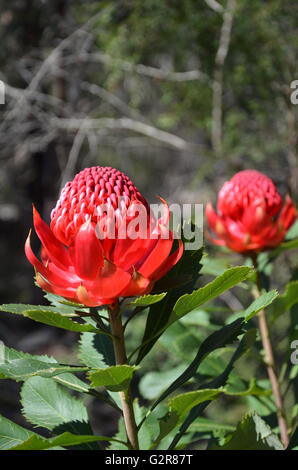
[(177, 94)]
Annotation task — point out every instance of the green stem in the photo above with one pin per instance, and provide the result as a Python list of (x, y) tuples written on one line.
[(121, 358), (270, 361), (102, 397)]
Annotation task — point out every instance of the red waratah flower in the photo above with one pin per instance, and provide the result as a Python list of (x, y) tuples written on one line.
[(81, 261), (251, 215)]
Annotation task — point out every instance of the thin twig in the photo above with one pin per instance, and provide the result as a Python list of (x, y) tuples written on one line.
[(270, 362), (127, 124), (73, 156), (49, 62), (141, 69), (215, 6), (218, 79), (112, 99)]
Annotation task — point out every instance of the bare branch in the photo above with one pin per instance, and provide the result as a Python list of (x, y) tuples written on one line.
[(225, 33), (73, 157), (232, 302), (18, 93), (218, 79), (49, 62), (111, 99), (126, 124), (214, 5), (146, 70)]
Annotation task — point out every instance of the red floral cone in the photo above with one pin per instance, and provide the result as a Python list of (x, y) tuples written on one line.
[(251, 216), (93, 253)]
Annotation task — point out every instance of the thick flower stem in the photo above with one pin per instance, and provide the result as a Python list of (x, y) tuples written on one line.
[(270, 362), (125, 396)]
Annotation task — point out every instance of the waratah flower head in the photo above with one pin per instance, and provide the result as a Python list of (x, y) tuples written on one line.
[(251, 215), (91, 189), (90, 252)]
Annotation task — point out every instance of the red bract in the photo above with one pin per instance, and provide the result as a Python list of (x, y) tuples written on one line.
[(251, 215), (81, 261)]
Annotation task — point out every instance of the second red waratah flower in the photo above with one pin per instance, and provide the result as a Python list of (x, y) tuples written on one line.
[(251, 215), (83, 263)]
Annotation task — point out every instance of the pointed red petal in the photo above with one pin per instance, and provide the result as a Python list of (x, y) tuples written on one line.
[(110, 282), (138, 285), (288, 214), (128, 252), (215, 222), (62, 280), (67, 292), (169, 263), (165, 218), (156, 258), (255, 218), (54, 249), (88, 255), (86, 298)]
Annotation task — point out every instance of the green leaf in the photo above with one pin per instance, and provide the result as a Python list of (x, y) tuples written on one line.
[(293, 231), (166, 425), (65, 306), (21, 309), (88, 354), (22, 369), (68, 379), (79, 428), (225, 281), (187, 270), (11, 434), (286, 301), (252, 433), (47, 404), (48, 316), (121, 436), (244, 345), (104, 345), (288, 245), (182, 341), (262, 405), (145, 435), (290, 297), (293, 444), (183, 403), (213, 364), (198, 318), (147, 300), (253, 389), (219, 339), (207, 425), (154, 383), (114, 378), (179, 406), (10, 354), (96, 350), (214, 266), (260, 303), (36, 442), (72, 382)]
